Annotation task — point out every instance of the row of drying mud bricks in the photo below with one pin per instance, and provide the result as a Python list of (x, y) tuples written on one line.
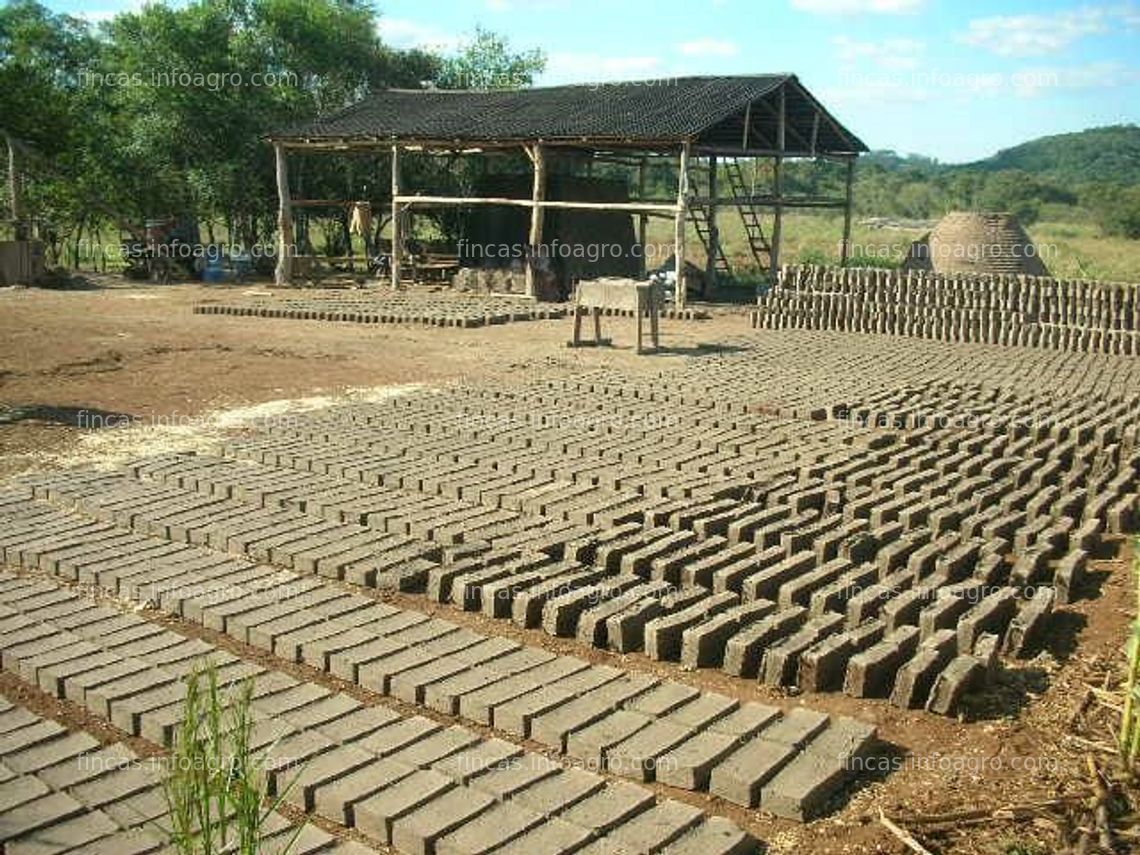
[(443, 316), (407, 781), (1082, 317), (955, 325), (418, 659), (627, 606), (1104, 305)]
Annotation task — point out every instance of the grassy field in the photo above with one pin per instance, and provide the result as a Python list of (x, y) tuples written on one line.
[(1070, 250)]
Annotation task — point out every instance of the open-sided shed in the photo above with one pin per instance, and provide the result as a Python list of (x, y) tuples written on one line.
[(721, 120)]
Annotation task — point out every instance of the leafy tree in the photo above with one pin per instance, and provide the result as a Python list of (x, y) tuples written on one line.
[(487, 62)]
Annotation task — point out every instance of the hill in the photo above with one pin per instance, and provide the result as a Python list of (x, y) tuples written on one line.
[(1109, 155)]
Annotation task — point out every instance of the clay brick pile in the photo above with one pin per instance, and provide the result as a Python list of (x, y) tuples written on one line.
[(1024, 311)]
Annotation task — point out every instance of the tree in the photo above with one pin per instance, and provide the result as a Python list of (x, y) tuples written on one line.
[(487, 62)]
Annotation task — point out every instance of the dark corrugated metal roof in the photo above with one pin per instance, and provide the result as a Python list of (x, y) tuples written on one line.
[(708, 109)]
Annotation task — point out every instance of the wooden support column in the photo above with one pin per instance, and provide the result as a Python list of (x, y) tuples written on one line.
[(286, 246), (643, 219), (679, 225), (845, 248), (538, 195), (714, 229), (778, 183), (397, 237)]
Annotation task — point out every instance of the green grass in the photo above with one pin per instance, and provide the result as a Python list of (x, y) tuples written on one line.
[(216, 786), (1070, 250)]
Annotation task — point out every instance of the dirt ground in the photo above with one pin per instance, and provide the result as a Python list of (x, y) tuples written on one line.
[(122, 355)]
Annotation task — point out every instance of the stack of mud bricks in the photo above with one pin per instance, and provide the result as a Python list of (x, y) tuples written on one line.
[(1022, 311)]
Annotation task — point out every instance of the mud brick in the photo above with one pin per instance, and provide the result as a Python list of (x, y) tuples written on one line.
[(499, 595), (375, 815), (324, 711), (554, 725), (714, 836), (834, 597), (554, 792), (702, 571), (636, 756), (651, 830), (289, 696), (802, 789), (38, 735), (605, 810), (51, 677), (128, 713), (591, 743), (663, 634), (743, 650), (493, 828), (467, 588), (18, 656), (823, 665), (65, 835), (639, 561), (959, 562), (871, 673), (767, 583), (906, 608), (993, 614), (306, 556), (780, 663), (508, 780), (560, 614), (323, 770), (114, 786), (377, 674), (432, 748), (477, 759), (1031, 567), (731, 577), (553, 836), (963, 675), (949, 603), (798, 591), (343, 652), (703, 645), (740, 777), (1029, 624), (625, 629), (99, 699), (827, 545), (915, 678), (418, 831), (445, 695), (410, 685), (338, 798), (671, 566), (515, 716), (593, 623), (480, 704)]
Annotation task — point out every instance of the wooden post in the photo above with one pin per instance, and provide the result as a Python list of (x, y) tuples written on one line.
[(397, 238), (538, 194), (679, 225), (285, 244), (643, 220), (845, 249), (714, 229), (778, 185)]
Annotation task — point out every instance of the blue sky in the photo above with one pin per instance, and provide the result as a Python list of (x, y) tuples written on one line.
[(953, 79)]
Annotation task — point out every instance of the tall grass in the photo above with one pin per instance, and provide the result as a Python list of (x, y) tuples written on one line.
[(216, 787)]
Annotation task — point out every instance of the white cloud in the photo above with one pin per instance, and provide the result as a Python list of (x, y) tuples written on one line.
[(858, 7), (405, 33), (1039, 34), (708, 47), (892, 54), (1034, 82)]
